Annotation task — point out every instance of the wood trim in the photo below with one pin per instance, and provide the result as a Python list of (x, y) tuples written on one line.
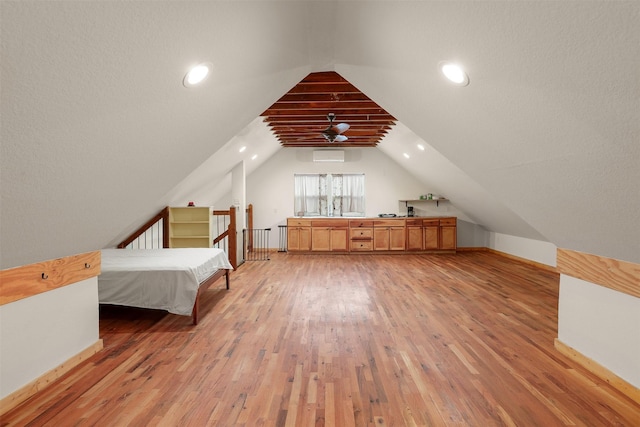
[(621, 276), (233, 238), (598, 370), (540, 265), (17, 397), (28, 280), (249, 212)]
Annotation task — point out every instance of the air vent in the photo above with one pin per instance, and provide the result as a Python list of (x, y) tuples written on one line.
[(328, 156)]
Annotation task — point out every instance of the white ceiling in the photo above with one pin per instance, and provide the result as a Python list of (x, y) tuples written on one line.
[(98, 132)]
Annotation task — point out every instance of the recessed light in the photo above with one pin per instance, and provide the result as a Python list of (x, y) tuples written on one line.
[(242, 148), (455, 73), (420, 147), (197, 74), (406, 155), (255, 156)]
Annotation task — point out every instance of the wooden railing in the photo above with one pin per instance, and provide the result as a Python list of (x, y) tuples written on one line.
[(156, 230), (227, 240), (249, 222), (145, 234)]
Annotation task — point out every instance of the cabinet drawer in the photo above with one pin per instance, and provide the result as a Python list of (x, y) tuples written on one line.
[(360, 223), (388, 223), (293, 222), (414, 222), (361, 233), (447, 221), (430, 222), (361, 245), (330, 223)]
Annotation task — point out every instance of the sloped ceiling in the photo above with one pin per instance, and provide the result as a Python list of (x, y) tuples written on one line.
[(98, 132), (324, 108)]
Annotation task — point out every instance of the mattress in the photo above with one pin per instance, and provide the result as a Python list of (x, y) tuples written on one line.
[(164, 279)]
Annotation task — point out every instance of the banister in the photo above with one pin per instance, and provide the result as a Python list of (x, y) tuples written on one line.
[(162, 215)]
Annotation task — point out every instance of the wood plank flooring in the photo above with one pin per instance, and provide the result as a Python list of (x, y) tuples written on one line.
[(387, 340)]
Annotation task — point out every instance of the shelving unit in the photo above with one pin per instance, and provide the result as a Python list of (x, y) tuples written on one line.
[(406, 202), (190, 227)]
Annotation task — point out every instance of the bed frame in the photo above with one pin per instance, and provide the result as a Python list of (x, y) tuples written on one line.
[(228, 236), (204, 286)]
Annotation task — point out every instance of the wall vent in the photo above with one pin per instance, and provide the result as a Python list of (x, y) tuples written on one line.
[(328, 155)]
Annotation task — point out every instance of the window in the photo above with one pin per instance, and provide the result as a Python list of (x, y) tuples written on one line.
[(329, 194)]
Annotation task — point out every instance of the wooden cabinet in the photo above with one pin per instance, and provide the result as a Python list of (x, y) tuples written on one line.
[(360, 235), (389, 235), (329, 235), (397, 238), (431, 233), (190, 227), (415, 241), (448, 234), (298, 234), (371, 235)]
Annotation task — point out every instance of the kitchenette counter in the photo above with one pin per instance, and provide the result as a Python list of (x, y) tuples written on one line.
[(400, 234)]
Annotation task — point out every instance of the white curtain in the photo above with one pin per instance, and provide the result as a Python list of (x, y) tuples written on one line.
[(306, 194), (329, 195), (353, 193)]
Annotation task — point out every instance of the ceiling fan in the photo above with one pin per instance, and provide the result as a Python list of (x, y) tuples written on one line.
[(333, 133)]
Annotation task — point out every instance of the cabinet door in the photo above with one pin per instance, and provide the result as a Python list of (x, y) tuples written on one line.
[(431, 240), (414, 238), (381, 239), (293, 238), (299, 239), (304, 242), (397, 238), (339, 239), (448, 238), (320, 239)]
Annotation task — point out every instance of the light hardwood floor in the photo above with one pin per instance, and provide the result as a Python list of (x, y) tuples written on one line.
[(385, 340)]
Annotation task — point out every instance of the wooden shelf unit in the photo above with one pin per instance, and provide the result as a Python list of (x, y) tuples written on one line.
[(190, 227)]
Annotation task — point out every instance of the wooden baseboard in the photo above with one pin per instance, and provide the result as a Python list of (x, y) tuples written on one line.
[(525, 260), (598, 370), (17, 397)]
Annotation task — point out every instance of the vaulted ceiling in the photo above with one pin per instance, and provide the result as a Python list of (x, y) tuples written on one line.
[(98, 133), (304, 116)]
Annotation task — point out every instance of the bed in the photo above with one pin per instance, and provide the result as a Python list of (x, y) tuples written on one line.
[(164, 279)]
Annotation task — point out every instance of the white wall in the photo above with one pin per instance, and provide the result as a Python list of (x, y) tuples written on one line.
[(534, 250), (602, 324), (270, 187), (43, 331)]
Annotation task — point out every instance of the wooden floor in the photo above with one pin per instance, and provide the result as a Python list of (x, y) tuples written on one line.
[(384, 340)]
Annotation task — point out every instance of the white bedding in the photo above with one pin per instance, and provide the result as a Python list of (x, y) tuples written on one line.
[(166, 279)]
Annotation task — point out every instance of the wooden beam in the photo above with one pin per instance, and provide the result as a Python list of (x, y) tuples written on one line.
[(339, 111), (350, 117)]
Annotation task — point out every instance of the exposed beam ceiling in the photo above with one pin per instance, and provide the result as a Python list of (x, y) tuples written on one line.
[(299, 117)]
